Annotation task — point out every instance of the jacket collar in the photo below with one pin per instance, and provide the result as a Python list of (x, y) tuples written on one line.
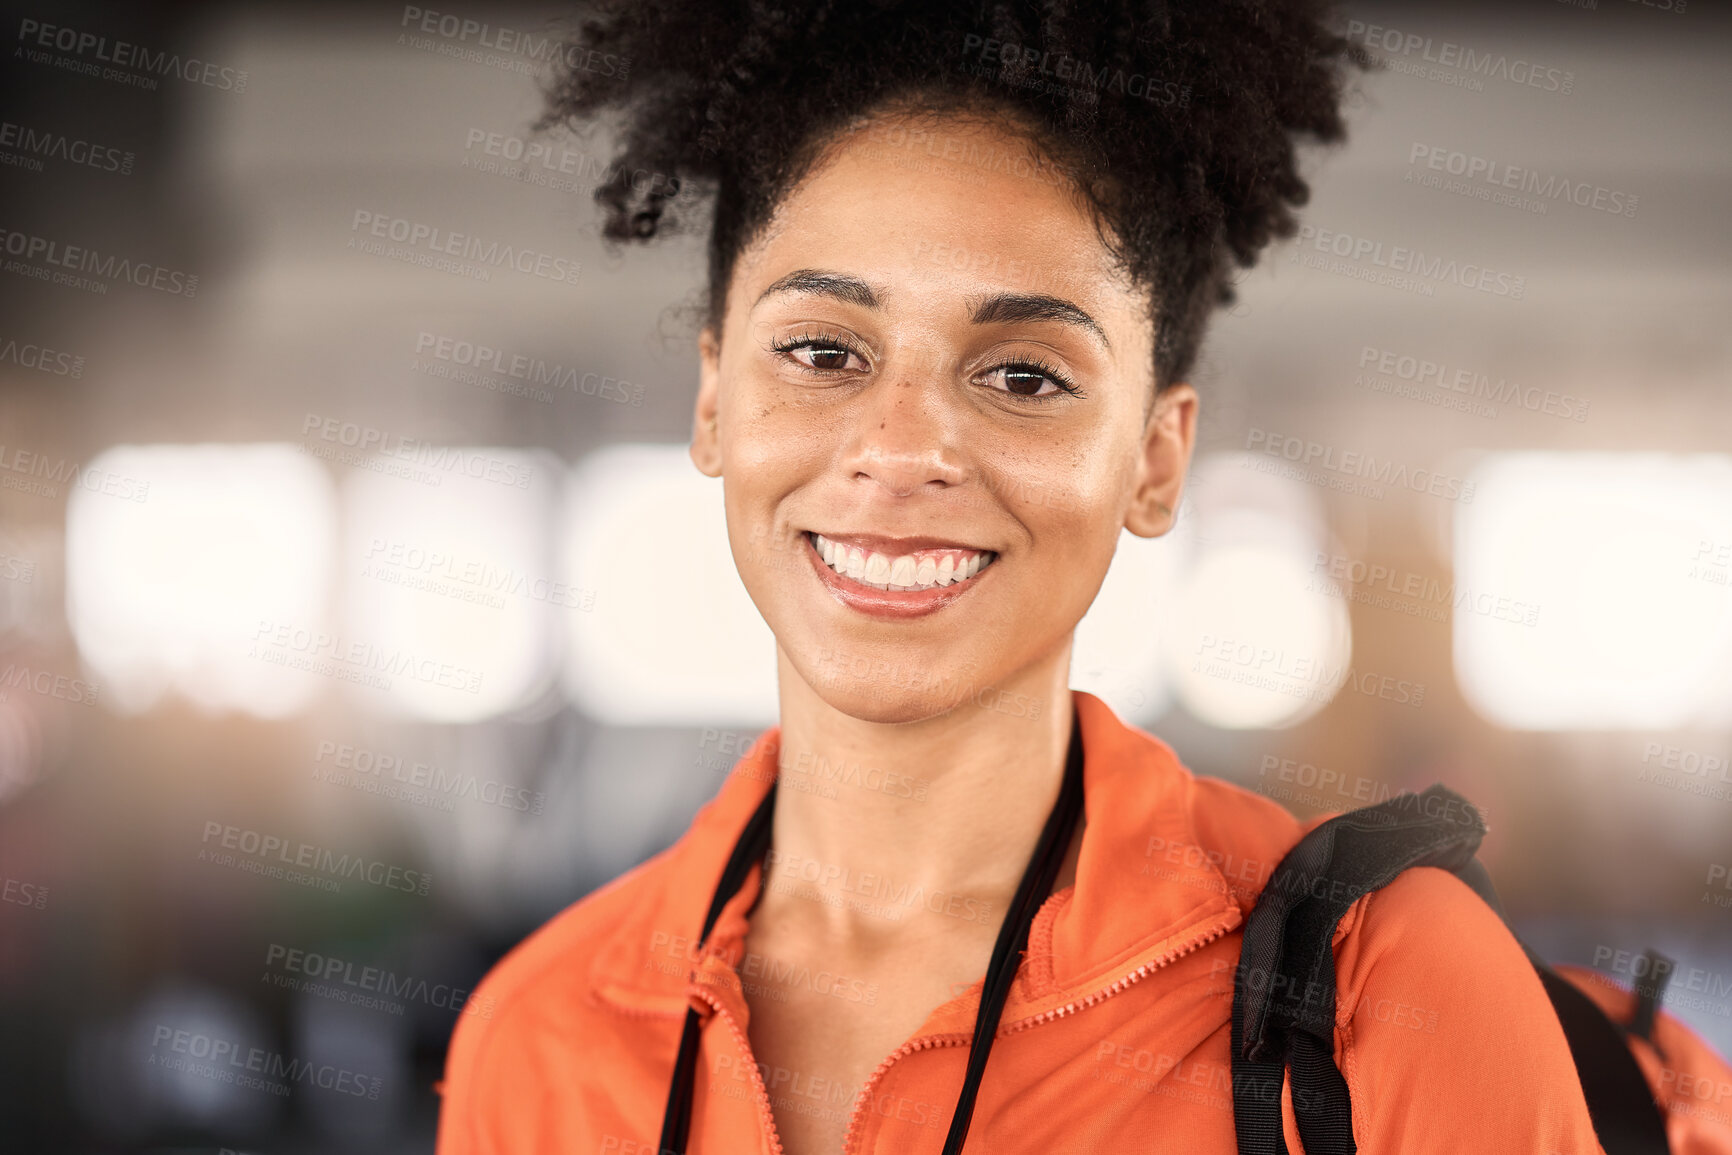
[(1145, 888)]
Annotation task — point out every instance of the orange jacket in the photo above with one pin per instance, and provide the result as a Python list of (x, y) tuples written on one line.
[(1115, 1035)]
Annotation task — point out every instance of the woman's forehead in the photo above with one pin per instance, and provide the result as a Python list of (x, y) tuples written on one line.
[(948, 228)]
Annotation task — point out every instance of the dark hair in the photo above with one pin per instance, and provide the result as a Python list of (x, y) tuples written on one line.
[(1176, 120)]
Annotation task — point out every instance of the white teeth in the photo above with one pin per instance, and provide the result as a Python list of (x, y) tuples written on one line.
[(906, 572)]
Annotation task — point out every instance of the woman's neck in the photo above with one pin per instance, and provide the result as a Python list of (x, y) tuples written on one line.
[(887, 824)]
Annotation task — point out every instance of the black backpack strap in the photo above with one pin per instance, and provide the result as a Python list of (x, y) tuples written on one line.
[(1284, 988), (1620, 1102), (1649, 991), (1626, 1119)]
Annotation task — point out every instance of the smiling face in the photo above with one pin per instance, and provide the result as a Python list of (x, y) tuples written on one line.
[(930, 407)]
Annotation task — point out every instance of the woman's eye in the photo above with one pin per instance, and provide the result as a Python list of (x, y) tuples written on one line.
[(1023, 381), (816, 355)]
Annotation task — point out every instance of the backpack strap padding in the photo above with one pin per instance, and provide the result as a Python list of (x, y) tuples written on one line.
[(1657, 969), (1620, 1102), (1284, 987)]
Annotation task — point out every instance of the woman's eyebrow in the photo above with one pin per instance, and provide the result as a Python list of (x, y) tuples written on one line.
[(817, 282), (998, 309), (1002, 308)]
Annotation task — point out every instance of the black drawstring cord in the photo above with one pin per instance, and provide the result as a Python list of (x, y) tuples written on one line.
[(1036, 885), (754, 841), (1037, 880)]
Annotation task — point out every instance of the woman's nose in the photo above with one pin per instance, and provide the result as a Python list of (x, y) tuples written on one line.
[(903, 436)]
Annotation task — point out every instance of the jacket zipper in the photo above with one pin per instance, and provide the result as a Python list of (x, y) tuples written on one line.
[(766, 1117), (1141, 972), (861, 1100), (931, 1041)]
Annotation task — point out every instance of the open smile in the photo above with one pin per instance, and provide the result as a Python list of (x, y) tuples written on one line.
[(896, 577)]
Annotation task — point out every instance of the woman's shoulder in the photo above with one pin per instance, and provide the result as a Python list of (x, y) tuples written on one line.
[(1439, 1009), (550, 1001), (558, 956), (634, 932), (1161, 808)]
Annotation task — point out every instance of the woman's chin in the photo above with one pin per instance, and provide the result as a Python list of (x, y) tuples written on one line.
[(887, 704)]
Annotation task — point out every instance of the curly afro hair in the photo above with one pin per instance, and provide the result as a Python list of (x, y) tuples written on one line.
[(1177, 120)]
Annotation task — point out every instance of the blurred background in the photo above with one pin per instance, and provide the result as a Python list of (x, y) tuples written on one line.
[(323, 681)]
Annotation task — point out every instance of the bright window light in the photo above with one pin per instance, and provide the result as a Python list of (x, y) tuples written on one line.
[(1258, 639), (674, 639), (1119, 655), (175, 555), (453, 605), (1625, 558)]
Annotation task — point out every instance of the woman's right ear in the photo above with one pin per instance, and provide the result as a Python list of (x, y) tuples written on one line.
[(706, 416)]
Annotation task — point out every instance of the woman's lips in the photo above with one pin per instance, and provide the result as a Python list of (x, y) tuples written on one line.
[(895, 578)]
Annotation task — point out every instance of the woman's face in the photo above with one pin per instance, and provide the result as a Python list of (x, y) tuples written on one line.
[(930, 367)]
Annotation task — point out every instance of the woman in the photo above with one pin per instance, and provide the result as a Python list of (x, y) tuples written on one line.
[(961, 259)]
